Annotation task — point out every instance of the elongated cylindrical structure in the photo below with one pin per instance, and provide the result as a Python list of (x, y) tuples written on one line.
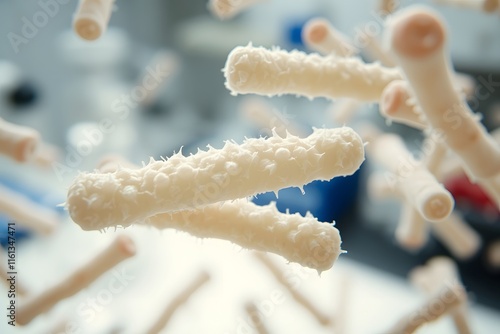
[(397, 105), (372, 46), (18, 142), (226, 9), (27, 213), (438, 272), (256, 70), (299, 239), (419, 187), (411, 232), (300, 298), (418, 40), (462, 240), (319, 35), (235, 171), (120, 249), (448, 298), (488, 6), (255, 317), (92, 17), (182, 297)]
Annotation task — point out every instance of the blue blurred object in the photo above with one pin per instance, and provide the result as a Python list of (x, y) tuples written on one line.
[(38, 196), (326, 200)]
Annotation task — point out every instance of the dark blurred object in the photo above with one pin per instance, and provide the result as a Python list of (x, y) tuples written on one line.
[(24, 95)]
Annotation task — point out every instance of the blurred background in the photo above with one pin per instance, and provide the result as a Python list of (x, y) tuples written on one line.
[(69, 89)]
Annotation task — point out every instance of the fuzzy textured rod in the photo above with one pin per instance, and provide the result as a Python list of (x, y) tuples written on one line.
[(299, 239), (274, 72), (236, 171), (303, 240)]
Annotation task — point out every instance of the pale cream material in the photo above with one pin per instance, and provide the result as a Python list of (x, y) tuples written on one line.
[(378, 186), (18, 142), (484, 5), (493, 254), (397, 105), (255, 317), (297, 295), (437, 157), (448, 298), (375, 51), (256, 70), (466, 84), (225, 9), (46, 154), (91, 18), (299, 239), (419, 188), (460, 239), (181, 298), (418, 39), (412, 230), (261, 112), (235, 171), (388, 6), (343, 299), (120, 249), (319, 35), (342, 110), (438, 272), (27, 213)]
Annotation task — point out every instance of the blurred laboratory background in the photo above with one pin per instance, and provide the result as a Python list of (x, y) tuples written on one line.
[(83, 98)]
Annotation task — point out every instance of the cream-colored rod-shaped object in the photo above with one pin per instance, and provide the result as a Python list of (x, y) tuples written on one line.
[(488, 6), (461, 240), (397, 105), (120, 249), (256, 318), (235, 171), (92, 17), (27, 213), (319, 35), (256, 70), (448, 298), (299, 239), (180, 299), (299, 297), (412, 230), (438, 272), (419, 187), (18, 142), (226, 9), (418, 40), (376, 52)]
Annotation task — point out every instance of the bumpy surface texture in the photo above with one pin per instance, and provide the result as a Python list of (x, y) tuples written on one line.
[(236, 171), (299, 239), (275, 72)]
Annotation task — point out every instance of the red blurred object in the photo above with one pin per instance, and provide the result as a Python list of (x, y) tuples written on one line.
[(470, 194)]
